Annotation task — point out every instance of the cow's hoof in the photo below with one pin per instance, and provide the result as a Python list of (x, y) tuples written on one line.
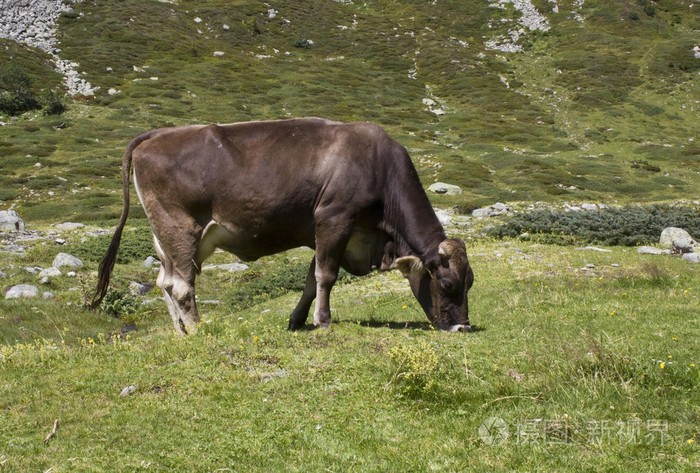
[(461, 328), (293, 327)]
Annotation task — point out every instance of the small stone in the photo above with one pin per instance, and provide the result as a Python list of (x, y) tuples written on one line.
[(47, 295), (139, 289), (650, 250), (71, 274), (22, 291), (218, 53), (60, 241), (64, 259), (231, 267), (127, 391), (50, 272)]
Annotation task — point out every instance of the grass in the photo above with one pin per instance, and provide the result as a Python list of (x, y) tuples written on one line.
[(588, 369), (561, 355)]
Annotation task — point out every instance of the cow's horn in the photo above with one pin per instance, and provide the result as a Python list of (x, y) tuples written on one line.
[(443, 251)]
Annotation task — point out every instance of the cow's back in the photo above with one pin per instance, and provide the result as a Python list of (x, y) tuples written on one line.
[(264, 181)]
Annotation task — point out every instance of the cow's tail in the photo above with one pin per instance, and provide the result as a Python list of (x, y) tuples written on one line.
[(104, 271)]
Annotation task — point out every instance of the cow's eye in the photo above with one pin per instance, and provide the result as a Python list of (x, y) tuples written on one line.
[(448, 285)]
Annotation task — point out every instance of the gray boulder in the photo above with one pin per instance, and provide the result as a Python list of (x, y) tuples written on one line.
[(64, 259), (692, 257), (677, 240), (445, 189), (69, 226), (10, 221), (22, 291), (499, 208), (151, 262), (50, 272)]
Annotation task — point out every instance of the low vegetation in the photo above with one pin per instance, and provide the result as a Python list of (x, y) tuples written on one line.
[(585, 370), (629, 225)]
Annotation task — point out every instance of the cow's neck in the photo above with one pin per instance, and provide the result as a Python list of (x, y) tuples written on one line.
[(411, 220)]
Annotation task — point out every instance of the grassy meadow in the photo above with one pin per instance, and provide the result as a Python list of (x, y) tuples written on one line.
[(581, 359)]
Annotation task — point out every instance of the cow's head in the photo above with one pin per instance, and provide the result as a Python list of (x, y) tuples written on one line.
[(441, 287)]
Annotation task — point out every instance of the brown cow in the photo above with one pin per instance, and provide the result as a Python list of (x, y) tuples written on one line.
[(347, 190)]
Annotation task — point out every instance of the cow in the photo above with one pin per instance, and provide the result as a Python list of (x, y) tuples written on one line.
[(347, 190)]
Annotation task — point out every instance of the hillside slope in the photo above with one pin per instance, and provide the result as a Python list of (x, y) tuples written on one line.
[(510, 99)]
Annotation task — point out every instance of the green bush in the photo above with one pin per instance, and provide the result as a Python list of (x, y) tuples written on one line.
[(52, 102), (255, 286), (626, 226), (135, 245), (15, 90), (119, 303)]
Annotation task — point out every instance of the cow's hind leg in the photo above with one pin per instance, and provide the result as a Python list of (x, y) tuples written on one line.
[(301, 311), (176, 280)]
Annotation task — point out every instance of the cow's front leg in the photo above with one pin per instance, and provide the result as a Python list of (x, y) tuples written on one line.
[(331, 239), (325, 279), (301, 311)]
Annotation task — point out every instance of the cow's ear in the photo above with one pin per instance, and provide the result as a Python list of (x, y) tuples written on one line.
[(409, 265)]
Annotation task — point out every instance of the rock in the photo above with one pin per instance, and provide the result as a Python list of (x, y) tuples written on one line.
[(231, 267), (127, 391), (50, 272), (651, 250), (45, 280), (594, 248), (3, 274), (69, 226), (22, 291), (445, 189), (151, 262), (10, 221), (589, 207), (494, 210), (60, 241), (444, 217), (218, 53), (677, 240), (64, 259), (47, 295), (139, 289), (692, 257)]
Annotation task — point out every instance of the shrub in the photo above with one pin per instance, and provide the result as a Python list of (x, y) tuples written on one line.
[(118, 303), (15, 90), (52, 102), (626, 226), (417, 368)]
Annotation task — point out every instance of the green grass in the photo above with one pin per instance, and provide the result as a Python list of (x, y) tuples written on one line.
[(579, 351)]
